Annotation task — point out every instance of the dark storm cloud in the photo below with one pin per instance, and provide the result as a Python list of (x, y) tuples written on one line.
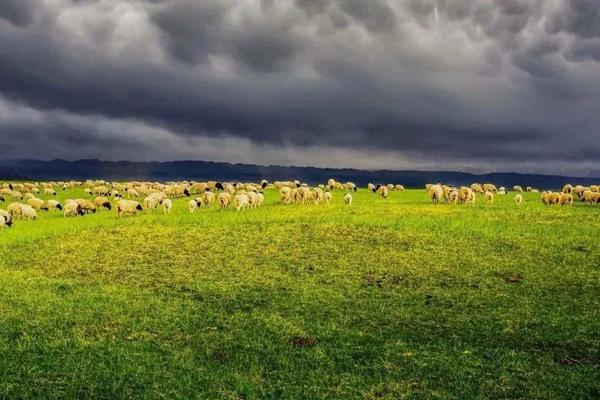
[(498, 84)]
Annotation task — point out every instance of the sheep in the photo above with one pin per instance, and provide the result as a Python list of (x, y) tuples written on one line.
[(252, 199), (518, 199), (224, 200), (54, 205), (489, 187), (37, 204), (348, 199), (550, 198), (193, 206), (350, 186), (567, 189), (27, 212), (102, 201), (466, 195), (16, 195), (167, 206), (241, 201), (383, 191), (489, 197), (453, 196), (317, 195), (152, 201), (436, 193), (285, 194), (565, 199), (14, 209), (208, 198), (128, 207), (327, 196), (264, 184), (72, 209), (86, 205), (399, 188), (49, 191), (371, 187), (517, 188), (260, 199), (477, 188), (5, 219)]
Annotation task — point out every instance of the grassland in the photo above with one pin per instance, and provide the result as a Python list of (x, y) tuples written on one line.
[(385, 299)]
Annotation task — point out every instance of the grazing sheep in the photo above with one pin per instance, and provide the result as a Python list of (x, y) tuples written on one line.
[(252, 199), (565, 199), (567, 189), (241, 201), (208, 198), (193, 206), (224, 200), (489, 197), (436, 193), (518, 199), (285, 194), (550, 198), (327, 196), (72, 209), (348, 199), (152, 201), (383, 191), (477, 188), (264, 184), (167, 206), (466, 195), (371, 187), (14, 209), (86, 205), (37, 204), (27, 212), (54, 205), (489, 187), (128, 207), (5, 219), (399, 188), (102, 201), (453, 196), (260, 199), (350, 186), (49, 191)]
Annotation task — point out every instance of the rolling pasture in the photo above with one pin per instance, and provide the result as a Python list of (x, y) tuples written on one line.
[(384, 299)]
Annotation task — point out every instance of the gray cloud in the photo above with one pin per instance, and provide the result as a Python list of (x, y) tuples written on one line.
[(473, 83)]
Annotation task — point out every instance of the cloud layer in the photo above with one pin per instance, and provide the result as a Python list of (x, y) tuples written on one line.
[(491, 85)]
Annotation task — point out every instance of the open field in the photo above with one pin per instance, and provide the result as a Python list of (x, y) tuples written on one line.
[(384, 299)]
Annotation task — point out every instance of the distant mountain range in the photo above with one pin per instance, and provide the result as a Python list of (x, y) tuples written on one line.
[(204, 170)]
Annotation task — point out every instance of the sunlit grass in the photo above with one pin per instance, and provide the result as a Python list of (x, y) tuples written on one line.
[(384, 299)]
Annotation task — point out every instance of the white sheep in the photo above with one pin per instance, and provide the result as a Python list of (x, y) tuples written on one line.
[(128, 207), (224, 200), (167, 206), (27, 212), (5, 219), (193, 206), (72, 209), (54, 205), (518, 199), (240, 201), (348, 199), (327, 196)]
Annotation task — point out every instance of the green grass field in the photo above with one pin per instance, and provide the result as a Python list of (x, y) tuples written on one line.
[(385, 299)]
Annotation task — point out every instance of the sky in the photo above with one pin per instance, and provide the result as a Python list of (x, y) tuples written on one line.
[(472, 85)]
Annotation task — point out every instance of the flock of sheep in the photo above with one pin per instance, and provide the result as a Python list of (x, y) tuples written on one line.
[(131, 198)]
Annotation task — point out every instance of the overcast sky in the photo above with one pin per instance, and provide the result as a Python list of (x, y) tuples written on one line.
[(505, 85)]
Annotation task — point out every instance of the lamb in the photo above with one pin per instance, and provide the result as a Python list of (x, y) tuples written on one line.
[(327, 197), (348, 199), (128, 207), (167, 206), (518, 199), (224, 200), (453, 196), (54, 205), (72, 209), (241, 201), (489, 197), (102, 202)]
